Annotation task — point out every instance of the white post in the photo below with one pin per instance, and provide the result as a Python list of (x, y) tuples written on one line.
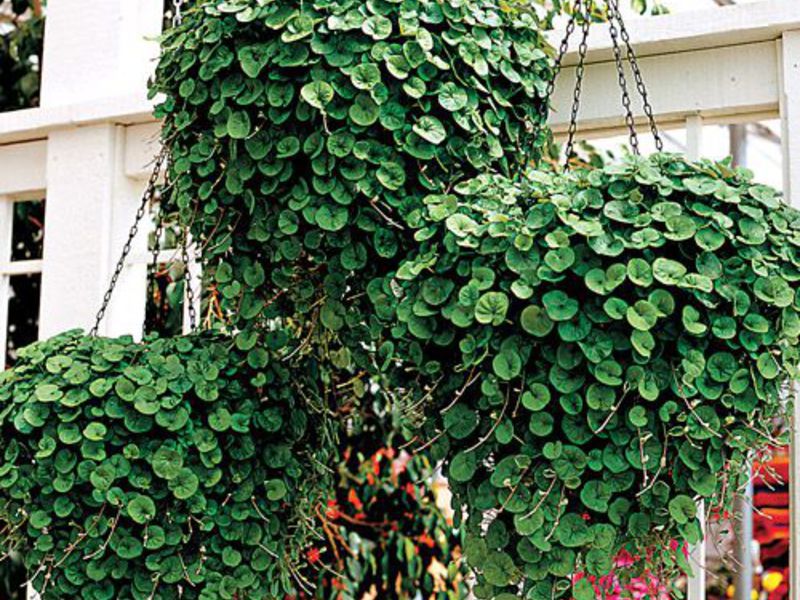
[(94, 55), (789, 54), (742, 517), (6, 227), (697, 583), (90, 56)]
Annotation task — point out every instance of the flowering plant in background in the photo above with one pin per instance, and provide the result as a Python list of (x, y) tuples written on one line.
[(388, 531)]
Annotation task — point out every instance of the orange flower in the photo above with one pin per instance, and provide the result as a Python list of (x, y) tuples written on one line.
[(353, 498)]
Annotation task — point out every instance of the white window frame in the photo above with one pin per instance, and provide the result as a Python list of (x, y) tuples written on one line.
[(8, 267)]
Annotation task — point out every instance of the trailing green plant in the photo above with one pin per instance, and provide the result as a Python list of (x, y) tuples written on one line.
[(173, 468), (626, 335), (305, 134)]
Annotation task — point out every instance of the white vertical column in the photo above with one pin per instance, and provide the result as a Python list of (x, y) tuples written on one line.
[(91, 56), (789, 55), (6, 233), (697, 583), (106, 52)]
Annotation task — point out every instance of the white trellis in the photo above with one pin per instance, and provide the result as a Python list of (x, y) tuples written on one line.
[(88, 147)]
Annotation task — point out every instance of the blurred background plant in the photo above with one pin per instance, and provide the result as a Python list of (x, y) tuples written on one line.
[(21, 37), (389, 530)]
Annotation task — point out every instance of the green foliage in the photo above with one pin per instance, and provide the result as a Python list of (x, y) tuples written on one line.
[(305, 135), (173, 468), (595, 350), (21, 44), (626, 334)]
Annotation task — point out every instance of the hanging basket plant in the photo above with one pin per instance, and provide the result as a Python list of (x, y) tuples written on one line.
[(172, 468), (305, 135), (630, 333)]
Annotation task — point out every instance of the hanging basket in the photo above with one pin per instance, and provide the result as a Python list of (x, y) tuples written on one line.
[(630, 333), (170, 468)]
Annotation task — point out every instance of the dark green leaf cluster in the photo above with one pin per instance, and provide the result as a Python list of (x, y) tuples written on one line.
[(626, 336), (304, 135), (174, 468)]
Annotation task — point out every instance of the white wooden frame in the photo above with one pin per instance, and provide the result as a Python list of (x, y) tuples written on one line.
[(9, 268), (90, 142)]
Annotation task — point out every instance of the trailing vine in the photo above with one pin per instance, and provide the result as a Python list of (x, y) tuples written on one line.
[(155, 470), (582, 421), (305, 135), (629, 333)]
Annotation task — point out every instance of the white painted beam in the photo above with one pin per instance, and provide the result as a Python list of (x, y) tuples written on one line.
[(141, 146), (697, 582), (718, 84), (95, 71), (90, 207), (37, 123), (711, 27), (22, 168)]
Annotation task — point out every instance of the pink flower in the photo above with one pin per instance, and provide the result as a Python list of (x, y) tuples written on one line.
[(646, 587)]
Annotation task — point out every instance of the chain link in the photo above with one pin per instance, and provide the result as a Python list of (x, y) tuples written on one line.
[(544, 107), (177, 12), (637, 74), (630, 120), (618, 31), (187, 280), (580, 71), (147, 197)]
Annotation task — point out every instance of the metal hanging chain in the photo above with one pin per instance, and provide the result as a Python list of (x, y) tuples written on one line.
[(544, 107), (613, 5), (177, 12), (147, 197), (187, 280), (630, 120), (189, 297), (580, 71)]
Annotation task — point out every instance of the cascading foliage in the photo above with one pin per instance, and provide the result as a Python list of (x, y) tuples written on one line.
[(305, 134), (594, 351), (629, 334), (166, 469)]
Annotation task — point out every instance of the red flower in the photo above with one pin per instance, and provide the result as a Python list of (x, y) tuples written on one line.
[(313, 555), (332, 511), (410, 490)]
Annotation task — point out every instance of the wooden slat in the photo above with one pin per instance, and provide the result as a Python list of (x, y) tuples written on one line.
[(23, 169), (719, 84)]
